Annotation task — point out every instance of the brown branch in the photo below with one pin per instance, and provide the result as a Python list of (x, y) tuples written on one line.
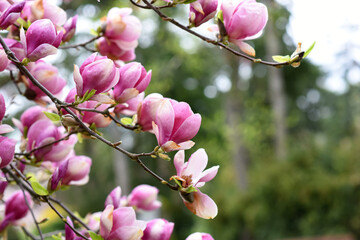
[(164, 17), (83, 45)]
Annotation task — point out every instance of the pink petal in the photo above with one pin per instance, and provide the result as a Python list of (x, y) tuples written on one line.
[(127, 233), (196, 164), (106, 221), (179, 159), (4, 128), (165, 121), (207, 175), (188, 129), (78, 81), (202, 206)]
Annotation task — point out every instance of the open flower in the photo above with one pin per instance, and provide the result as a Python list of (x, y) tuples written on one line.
[(120, 224), (175, 125), (191, 176), (244, 20)]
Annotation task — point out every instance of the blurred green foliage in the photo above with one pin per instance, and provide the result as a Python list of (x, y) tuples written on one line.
[(314, 191)]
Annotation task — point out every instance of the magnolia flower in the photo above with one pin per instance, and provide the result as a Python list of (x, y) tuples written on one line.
[(147, 111), (144, 197), (202, 11), (199, 236), (98, 73), (175, 124), (41, 39), (2, 107), (43, 9), (158, 229), (109, 48), (11, 14), (48, 76), (43, 133), (73, 171), (70, 28), (133, 80), (121, 224), (191, 176), (244, 20), (17, 48), (114, 198), (29, 117), (15, 208)]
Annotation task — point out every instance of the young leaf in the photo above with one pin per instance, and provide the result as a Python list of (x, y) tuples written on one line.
[(55, 118), (126, 121), (309, 50), (40, 190), (95, 236), (88, 95), (281, 59)]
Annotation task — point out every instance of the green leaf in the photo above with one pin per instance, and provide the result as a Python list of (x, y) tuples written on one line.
[(309, 50), (219, 16), (281, 59), (88, 95), (80, 138), (95, 236), (55, 118), (188, 1), (38, 188), (126, 121), (177, 182)]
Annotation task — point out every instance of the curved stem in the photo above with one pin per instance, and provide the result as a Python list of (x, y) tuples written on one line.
[(81, 44), (164, 17)]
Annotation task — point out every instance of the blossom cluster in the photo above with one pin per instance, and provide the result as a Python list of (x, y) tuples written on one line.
[(109, 87)]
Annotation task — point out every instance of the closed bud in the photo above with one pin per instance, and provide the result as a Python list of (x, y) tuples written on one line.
[(158, 229), (144, 197)]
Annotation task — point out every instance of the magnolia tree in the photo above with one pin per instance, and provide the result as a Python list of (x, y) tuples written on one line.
[(110, 87)]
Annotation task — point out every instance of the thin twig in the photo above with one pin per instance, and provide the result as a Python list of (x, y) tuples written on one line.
[(27, 233), (164, 17), (81, 44)]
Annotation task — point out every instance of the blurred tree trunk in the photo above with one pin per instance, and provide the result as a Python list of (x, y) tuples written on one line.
[(276, 90), (234, 109)]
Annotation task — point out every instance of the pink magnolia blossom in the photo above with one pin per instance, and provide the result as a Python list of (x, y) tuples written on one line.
[(70, 28), (144, 197), (41, 39), (120, 35), (192, 173), (73, 171), (202, 11), (7, 150), (114, 198), (109, 48), (44, 132), (29, 117), (11, 14), (158, 229), (199, 236), (175, 124), (147, 111), (120, 224), (244, 19), (131, 106), (133, 80), (43, 9), (48, 76), (15, 208), (97, 72)]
